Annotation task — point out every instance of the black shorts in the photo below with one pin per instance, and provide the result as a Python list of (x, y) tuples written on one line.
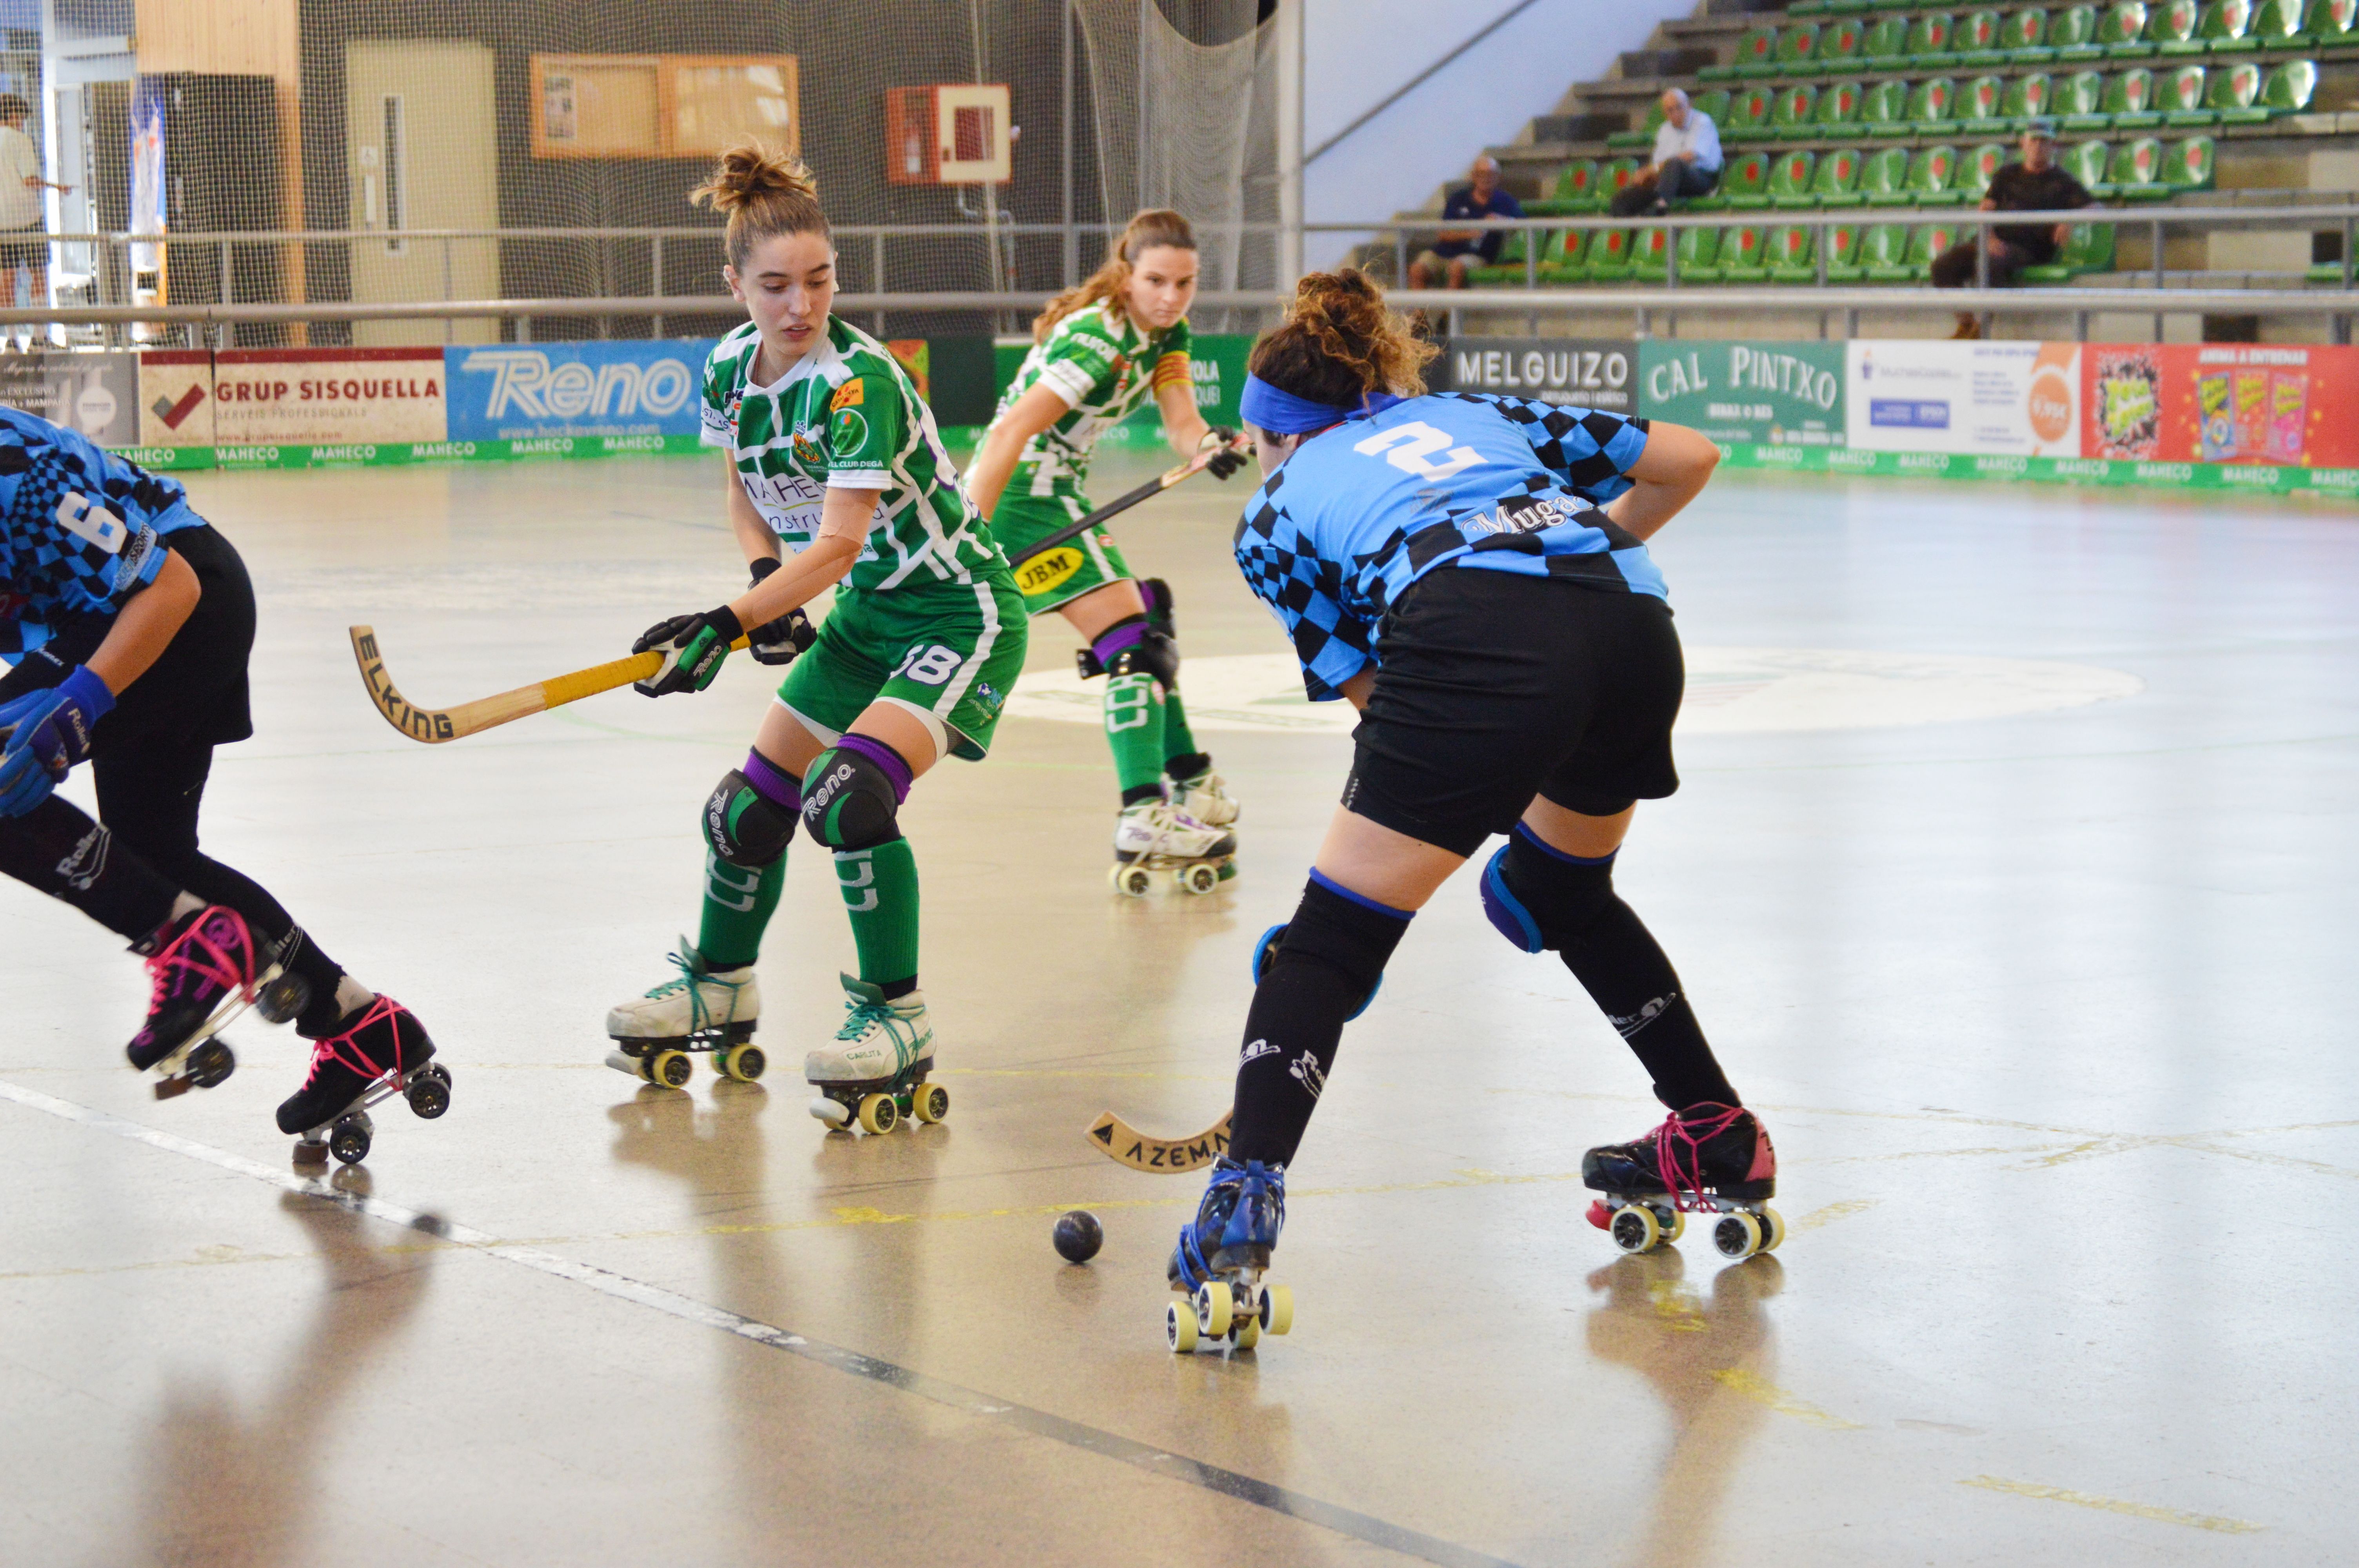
[(1495, 687), (27, 246), (195, 694)]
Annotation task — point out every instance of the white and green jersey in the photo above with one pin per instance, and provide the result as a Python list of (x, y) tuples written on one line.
[(1104, 367), (846, 416)]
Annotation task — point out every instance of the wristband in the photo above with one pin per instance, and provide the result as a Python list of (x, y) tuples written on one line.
[(87, 692), (724, 620), (762, 567)]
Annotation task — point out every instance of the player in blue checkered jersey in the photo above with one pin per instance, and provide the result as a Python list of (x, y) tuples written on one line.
[(129, 620), (1471, 573)]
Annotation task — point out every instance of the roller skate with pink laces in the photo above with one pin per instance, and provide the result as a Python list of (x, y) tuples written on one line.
[(1709, 1159), (382, 1051), (203, 970)]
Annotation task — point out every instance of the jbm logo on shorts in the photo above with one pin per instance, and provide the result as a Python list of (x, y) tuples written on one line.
[(1047, 570), (515, 390)]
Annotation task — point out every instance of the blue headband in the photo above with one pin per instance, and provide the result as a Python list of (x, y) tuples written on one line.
[(1283, 414)]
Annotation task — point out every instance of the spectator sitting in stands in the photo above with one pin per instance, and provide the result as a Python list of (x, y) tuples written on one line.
[(1685, 162), (1454, 250), (2033, 185)]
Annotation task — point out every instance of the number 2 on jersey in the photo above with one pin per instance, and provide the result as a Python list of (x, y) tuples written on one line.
[(1410, 448)]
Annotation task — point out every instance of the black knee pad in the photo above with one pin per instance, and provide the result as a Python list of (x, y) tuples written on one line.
[(1337, 929), (745, 828), (1157, 595), (1539, 898), (850, 801), (1153, 655)]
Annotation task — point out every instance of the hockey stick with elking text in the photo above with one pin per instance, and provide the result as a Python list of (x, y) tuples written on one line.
[(434, 726)]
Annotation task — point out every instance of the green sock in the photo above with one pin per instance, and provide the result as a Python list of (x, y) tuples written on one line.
[(880, 893), (738, 904), (1133, 725), (1179, 740)]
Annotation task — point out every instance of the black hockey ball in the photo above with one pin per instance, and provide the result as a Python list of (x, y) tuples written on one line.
[(1078, 1235)]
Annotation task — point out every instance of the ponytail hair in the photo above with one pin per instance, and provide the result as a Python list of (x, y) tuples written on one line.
[(1340, 342), (763, 194), (1156, 226)]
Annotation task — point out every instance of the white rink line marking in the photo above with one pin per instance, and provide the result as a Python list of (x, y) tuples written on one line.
[(622, 1287)]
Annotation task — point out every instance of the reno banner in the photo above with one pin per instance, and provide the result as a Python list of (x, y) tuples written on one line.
[(356, 397), (2288, 406), (1974, 399), (647, 389)]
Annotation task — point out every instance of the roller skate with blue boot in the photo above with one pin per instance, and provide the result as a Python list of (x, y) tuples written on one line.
[(1709, 1159), (1222, 1258)]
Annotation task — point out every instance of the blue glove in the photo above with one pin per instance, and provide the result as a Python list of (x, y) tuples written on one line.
[(48, 732)]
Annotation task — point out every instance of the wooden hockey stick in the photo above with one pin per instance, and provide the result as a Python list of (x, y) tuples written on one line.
[(1123, 503), (1118, 1141), (433, 726)]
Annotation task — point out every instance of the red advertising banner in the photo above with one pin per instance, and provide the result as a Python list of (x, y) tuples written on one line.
[(2283, 403)]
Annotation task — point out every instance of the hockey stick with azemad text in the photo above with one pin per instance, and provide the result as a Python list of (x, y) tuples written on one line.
[(434, 726)]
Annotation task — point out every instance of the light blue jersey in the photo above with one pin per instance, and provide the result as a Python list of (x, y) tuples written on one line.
[(1365, 508), (80, 529)]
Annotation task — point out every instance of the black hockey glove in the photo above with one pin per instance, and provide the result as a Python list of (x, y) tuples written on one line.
[(693, 647), (778, 641), (1228, 460)]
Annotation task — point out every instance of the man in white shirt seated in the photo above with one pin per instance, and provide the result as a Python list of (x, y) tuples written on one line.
[(1684, 164)]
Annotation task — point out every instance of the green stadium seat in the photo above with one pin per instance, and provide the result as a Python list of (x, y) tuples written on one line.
[(1712, 101), (1982, 164), (1884, 177), (1885, 111), (1792, 250), (1929, 40), (1791, 119), (2187, 166), (1744, 181), (2135, 174), (2289, 87), (1979, 39), (1697, 249), (1573, 188), (1650, 255), (1749, 109), (1838, 106), (1613, 177), (2072, 34), (1933, 178), (2235, 94), (2128, 104), (1569, 266), (1608, 258), (1789, 179), (1933, 105), (1885, 43), (1797, 44), (1743, 256), (1979, 106), (1843, 254), (2180, 97), (1840, 46), (1836, 184), (1643, 134), (2121, 30), (1884, 253), (2080, 100), (2088, 247), (2085, 161), (2226, 26), (2332, 25), (2027, 98), (2278, 23), (2024, 35), (1810, 7), (1929, 241), (2171, 26), (1509, 268), (1757, 53)]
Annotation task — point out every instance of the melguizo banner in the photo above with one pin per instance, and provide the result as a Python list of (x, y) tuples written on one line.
[(1769, 394), (1590, 373), (522, 391)]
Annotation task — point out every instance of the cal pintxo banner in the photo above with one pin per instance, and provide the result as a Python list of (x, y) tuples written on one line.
[(1592, 373), (1772, 394)]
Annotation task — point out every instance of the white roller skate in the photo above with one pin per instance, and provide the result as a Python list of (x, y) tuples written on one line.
[(1155, 842), (874, 1071), (1205, 798), (698, 1010)]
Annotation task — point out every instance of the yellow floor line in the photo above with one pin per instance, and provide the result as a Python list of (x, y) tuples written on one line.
[(1761, 1392), (1829, 1215), (2117, 1506)]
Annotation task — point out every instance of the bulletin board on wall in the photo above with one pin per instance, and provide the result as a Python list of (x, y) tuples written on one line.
[(611, 107)]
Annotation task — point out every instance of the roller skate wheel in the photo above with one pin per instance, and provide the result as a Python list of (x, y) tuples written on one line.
[(834, 1112), (1773, 1224), (743, 1062), (211, 1063), (1214, 1307), (438, 1071), (1179, 1328), (1674, 1225), (429, 1095), (1738, 1235), (1245, 1334), (1135, 881), (1634, 1229), (670, 1069), (1197, 879), (283, 998), (1277, 1309), (929, 1102), (350, 1141), (878, 1114)]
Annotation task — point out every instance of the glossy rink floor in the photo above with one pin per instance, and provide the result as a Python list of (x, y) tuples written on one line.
[(2045, 990)]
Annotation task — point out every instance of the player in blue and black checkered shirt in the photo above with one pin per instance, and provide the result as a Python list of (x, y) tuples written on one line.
[(1471, 573), (129, 620)]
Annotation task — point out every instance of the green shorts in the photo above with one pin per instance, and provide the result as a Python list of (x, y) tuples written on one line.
[(1085, 562), (948, 649)]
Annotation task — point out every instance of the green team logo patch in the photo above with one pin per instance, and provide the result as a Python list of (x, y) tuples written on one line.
[(851, 432)]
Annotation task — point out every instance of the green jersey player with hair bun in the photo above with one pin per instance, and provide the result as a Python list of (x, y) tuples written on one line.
[(1100, 351), (834, 460)]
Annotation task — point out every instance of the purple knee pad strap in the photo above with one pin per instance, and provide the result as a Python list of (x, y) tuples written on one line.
[(773, 784), (1112, 642), (896, 771)]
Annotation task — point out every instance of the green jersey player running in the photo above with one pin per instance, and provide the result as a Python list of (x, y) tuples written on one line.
[(1099, 351), (834, 459)]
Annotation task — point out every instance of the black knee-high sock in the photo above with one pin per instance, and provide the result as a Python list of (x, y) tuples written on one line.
[(57, 849), (1620, 966), (1332, 954)]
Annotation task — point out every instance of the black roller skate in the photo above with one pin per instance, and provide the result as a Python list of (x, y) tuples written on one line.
[(384, 1053), (1223, 1254), (1708, 1159), (203, 970)]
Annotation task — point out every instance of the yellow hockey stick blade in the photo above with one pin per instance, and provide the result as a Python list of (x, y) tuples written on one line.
[(434, 726), (1118, 1141)]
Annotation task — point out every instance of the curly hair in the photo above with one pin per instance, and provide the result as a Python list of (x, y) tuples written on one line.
[(1340, 342)]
